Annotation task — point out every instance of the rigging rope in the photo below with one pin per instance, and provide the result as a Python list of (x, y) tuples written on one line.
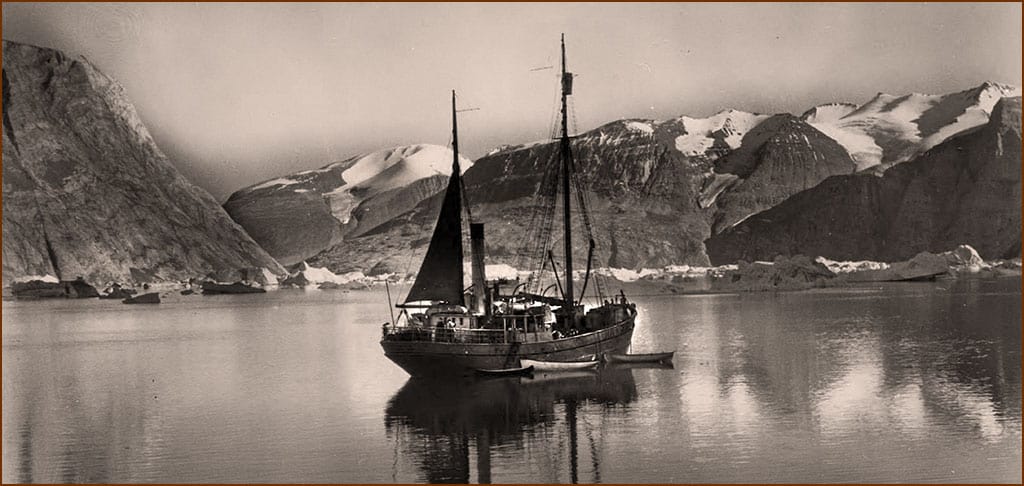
[(542, 232)]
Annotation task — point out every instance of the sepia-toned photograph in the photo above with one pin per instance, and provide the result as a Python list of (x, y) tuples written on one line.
[(511, 243)]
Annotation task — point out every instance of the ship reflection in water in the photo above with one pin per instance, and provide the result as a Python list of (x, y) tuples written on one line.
[(452, 426)]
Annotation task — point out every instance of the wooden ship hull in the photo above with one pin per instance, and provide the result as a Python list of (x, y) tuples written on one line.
[(443, 353)]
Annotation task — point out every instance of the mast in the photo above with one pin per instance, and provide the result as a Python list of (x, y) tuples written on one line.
[(566, 159), (455, 136)]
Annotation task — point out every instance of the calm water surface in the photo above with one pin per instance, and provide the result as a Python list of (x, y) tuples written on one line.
[(911, 382)]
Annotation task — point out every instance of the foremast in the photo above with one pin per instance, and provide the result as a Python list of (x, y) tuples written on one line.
[(455, 137)]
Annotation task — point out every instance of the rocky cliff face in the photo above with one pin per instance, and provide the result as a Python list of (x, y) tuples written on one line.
[(965, 190), (299, 215), (86, 191)]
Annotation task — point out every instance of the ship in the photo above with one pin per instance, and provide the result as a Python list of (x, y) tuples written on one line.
[(442, 329)]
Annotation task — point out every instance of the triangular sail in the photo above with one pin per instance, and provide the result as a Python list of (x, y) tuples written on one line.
[(440, 277)]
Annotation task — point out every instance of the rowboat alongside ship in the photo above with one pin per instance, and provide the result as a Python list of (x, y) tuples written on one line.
[(522, 370), (559, 365), (640, 358)]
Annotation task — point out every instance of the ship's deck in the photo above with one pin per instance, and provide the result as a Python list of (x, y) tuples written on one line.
[(469, 336)]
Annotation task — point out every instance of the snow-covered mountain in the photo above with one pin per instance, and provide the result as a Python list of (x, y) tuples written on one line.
[(645, 190), (298, 215), (965, 190), (890, 129), (708, 137), (660, 188)]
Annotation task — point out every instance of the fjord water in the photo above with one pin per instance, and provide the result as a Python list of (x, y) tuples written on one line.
[(899, 382)]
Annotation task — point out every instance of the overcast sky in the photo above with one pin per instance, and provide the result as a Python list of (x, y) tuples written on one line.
[(238, 93)]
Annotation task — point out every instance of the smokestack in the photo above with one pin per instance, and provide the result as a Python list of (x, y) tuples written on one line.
[(476, 241)]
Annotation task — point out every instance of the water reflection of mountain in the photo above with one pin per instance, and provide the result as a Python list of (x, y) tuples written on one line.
[(436, 421), (924, 357)]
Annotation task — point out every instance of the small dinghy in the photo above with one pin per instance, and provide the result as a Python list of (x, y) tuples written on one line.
[(640, 358), (525, 370), (558, 365)]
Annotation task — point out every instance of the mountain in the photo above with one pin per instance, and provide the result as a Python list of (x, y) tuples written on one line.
[(658, 188), (646, 179), (296, 216), (776, 159), (891, 129), (632, 167), (86, 191), (965, 190)]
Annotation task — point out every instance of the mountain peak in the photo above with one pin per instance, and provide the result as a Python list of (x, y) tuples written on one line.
[(406, 163), (725, 127), (891, 129), (998, 89), (995, 84), (828, 112)]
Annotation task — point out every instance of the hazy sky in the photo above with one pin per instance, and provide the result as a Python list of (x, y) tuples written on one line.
[(238, 93)]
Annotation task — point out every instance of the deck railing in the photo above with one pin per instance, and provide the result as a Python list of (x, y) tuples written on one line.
[(447, 335), (515, 329), (469, 336)]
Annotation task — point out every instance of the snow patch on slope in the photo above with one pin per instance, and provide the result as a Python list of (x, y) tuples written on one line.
[(714, 185), (693, 143), (644, 127), (418, 162), (282, 181), (859, 145), (384, 170), (516, 147), (828, 113), (727, 126)]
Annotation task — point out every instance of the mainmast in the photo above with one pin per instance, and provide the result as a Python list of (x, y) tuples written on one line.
[(455, 136), (566, 159)]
